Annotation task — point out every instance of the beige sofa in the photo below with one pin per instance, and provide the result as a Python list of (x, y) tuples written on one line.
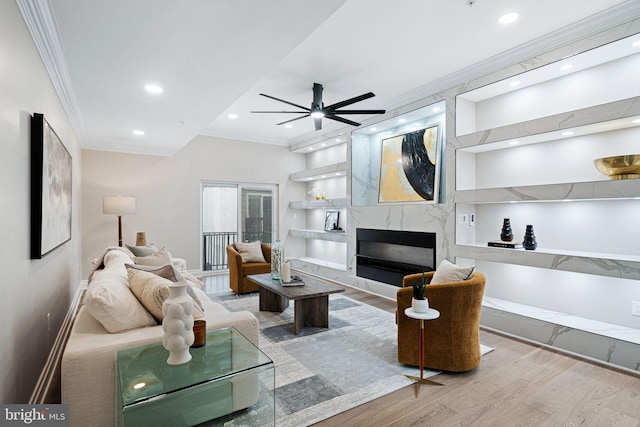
[(88, 363)]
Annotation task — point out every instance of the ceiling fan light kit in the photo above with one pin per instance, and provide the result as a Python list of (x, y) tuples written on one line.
[(318, 110)]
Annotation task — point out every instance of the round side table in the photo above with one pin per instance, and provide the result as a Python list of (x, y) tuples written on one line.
[(430, 314)]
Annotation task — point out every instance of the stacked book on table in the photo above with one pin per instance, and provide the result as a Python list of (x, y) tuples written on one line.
[(295, 281)]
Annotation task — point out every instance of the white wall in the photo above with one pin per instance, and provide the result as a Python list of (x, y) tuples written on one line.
[(36, 294), (167, 190)]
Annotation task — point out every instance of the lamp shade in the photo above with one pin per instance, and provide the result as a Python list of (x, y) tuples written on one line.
[(119, 205)]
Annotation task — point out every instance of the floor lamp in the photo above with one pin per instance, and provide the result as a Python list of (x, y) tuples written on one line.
[(119, 205)]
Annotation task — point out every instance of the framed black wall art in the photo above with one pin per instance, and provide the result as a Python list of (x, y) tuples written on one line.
[(50, 189)]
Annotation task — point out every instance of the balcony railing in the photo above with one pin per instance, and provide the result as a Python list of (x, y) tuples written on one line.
[(214, 249)]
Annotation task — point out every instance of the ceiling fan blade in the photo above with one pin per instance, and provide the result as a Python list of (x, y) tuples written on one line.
[(350, 101), (286, 102), (293, 120), (317, 96), (317, 121), (342, 120), (297, 112), (359, 111)]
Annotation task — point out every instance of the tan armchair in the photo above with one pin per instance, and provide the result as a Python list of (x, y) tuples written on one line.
[(238, 271), (452, 341)]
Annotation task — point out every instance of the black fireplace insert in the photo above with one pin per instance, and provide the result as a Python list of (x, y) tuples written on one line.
[(388, 255)]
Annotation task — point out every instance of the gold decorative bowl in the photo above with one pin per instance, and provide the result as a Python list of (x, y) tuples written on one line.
[(619, 167)]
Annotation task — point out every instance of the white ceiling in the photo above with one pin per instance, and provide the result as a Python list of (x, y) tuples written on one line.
[(213, 58)]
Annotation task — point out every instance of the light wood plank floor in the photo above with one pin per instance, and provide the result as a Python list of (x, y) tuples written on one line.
[(518, 384)]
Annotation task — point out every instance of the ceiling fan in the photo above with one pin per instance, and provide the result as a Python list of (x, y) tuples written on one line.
[(318, 110)]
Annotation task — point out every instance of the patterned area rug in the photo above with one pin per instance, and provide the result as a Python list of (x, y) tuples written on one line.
[(322, 372)]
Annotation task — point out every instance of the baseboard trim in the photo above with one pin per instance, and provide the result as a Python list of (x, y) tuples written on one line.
[(50, 373)]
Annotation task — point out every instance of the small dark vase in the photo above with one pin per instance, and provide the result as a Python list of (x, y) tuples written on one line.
[(529, 242), (507, 234)]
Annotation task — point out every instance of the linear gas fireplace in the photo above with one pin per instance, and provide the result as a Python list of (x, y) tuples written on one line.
[(388, 255)]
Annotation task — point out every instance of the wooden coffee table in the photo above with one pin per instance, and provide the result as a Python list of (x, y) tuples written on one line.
[(311, 301)]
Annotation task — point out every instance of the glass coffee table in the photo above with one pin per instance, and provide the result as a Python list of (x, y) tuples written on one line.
[(224, 378)]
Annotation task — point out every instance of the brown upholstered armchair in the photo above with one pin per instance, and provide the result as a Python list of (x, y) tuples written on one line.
[(452, 341), (239, 270)]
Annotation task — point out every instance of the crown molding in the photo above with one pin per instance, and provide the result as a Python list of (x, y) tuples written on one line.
[(41, 23), (606, 20)]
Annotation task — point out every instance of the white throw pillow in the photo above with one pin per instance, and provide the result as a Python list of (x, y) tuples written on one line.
[(160, 258), (143, 250), (114, 257), (189, 278), (173, 274), (448, 272), (250, 252), (152, 290), (109, 300)]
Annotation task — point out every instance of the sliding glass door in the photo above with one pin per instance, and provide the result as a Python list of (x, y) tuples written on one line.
[(233, 212)]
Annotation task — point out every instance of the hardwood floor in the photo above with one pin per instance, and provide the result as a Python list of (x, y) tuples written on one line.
[(518, 384)]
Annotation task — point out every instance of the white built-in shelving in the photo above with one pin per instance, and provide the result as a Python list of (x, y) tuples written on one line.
[(339, 203), (330, 236), (532, 162), (326, 188), (323, 172)]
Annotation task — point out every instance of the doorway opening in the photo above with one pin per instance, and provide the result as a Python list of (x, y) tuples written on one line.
[(235, 212)]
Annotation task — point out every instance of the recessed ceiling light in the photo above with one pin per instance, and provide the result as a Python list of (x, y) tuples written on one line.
[(337, 173), (636, 43), (338, 140), (310, 148), (153, 88), (288, 125), (233, 116), (138, 132), (436, 109), (323, 145), (401, 120), (566, 67), (508, 18), (373, 129), (514, 83), (323, 176), (514, 142), (567, 133)]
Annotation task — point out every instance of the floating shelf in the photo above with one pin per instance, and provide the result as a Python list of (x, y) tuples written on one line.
[(621, 189), (320, 204), (332, 236), (319, 262), (583, 117), (569, 321), (601, 264), (324, 172)]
